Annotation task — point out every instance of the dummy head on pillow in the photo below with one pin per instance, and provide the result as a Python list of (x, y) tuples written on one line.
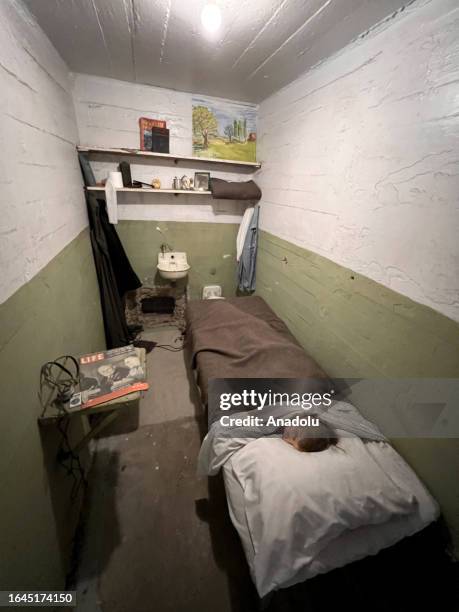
[(309, 438)]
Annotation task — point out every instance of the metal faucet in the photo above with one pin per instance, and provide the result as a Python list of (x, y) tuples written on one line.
[(165, 246)]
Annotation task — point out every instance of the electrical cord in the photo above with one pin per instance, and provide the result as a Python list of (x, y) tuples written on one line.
[(61, 388), (172, 349), (60, 379), (69, 460), (168, 347)]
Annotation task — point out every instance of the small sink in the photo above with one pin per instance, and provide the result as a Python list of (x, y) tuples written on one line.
[(173, 265)]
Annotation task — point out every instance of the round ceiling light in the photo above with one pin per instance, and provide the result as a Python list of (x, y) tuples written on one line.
[(211, 17)]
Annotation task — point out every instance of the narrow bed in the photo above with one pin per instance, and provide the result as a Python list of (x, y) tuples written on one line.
[(243, 338), (289, 564), (297, 514)]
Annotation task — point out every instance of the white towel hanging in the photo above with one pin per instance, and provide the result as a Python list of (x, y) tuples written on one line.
[(111, 201), (245, 223)]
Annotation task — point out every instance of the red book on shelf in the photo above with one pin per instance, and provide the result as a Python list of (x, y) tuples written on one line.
[(146, 125)]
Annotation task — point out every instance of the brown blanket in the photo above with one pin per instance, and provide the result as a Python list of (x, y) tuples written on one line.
[(234, 190), (243, 338)]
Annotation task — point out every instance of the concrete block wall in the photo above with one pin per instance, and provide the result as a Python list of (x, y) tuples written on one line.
[(49, 302), (41, 195), (359, 252), (359, 166), (108, 112), (360, 158)]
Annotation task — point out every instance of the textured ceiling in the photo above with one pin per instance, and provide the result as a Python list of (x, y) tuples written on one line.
[(261, 46)]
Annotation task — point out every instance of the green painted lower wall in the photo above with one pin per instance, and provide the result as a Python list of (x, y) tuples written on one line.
[(210, 248), (355, 327), (351, 324), (57, 312)]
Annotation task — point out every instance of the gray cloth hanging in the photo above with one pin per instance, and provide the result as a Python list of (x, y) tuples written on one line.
[(246, 272)]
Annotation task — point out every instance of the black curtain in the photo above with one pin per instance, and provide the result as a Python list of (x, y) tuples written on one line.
[(114, 271)]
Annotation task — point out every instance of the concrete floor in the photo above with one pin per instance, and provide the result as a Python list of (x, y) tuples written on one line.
[(172, 394), (154, 536)]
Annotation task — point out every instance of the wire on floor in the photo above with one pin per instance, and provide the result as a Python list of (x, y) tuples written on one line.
[(169, 347)]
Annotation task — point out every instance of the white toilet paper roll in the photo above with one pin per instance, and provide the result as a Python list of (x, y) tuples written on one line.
[(116, 178)]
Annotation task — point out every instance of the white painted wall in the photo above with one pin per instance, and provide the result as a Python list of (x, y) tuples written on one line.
[(361, 156), (108, 112), (41, 195)]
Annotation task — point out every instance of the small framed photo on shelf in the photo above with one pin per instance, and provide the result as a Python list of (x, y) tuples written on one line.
[(201, 181)]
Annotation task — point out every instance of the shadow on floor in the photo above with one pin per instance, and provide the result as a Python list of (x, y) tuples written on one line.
[(98, 533), (146, 536), (64, 479)]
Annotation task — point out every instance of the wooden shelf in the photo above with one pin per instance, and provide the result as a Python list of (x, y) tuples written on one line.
[(168, 156), (157, 191)]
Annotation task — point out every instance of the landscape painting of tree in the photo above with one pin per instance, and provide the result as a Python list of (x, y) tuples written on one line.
[(223, 129)]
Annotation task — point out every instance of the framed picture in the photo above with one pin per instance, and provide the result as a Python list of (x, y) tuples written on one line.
[(223, 129), (145, 126), (201, 181)]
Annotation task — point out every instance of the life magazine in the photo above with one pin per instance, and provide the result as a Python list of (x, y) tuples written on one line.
[(107, 375)]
